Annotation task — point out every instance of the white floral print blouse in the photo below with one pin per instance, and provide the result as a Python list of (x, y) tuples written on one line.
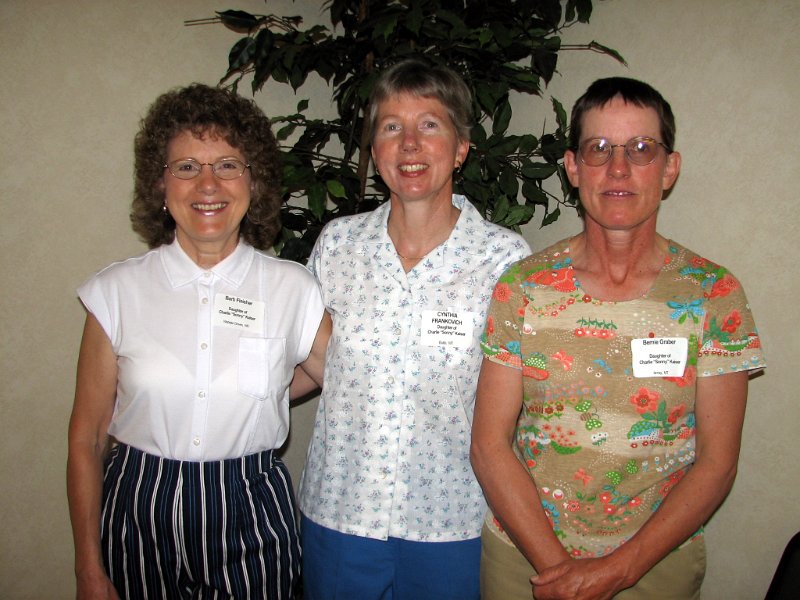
[(389, 455)]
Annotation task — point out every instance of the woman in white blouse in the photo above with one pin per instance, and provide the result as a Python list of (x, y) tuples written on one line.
[(174, 487), (389, 501)]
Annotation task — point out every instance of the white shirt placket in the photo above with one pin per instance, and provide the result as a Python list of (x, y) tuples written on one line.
[(205, 297)]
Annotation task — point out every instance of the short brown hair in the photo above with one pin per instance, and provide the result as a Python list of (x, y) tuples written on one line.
[(204, 110), (632, 91)]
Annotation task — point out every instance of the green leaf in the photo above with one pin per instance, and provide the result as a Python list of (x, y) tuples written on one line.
[(385, 27), (476, 192), (478, 135), (238, 20), (582, 7), (458, 28), (533, 194), (241, 54), (500, 210), (561, 114), (502, 117), (597, 47), (284, 132), (414, 18), (544, 62), (551, 217), (486, 96), (317, 199), (509, 183), (527, 144), (336, 189), (519, 215), (503, 146), (539, 171)]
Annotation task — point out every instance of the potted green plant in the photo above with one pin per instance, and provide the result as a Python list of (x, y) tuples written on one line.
[(502, 47)]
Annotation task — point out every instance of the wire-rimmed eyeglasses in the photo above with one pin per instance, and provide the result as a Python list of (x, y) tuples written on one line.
[(641, 151), (224, 168)]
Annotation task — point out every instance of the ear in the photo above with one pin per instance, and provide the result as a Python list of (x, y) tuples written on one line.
[(571, 166), (461, 152), (671, 170)]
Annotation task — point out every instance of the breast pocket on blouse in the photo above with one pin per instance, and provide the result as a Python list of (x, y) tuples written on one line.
[(261, 365)]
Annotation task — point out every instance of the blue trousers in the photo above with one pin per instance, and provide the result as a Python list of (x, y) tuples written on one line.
[(338, 566), (177, 529)]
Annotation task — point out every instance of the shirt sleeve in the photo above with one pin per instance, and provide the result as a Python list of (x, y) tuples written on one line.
[(315, 260), (500, 341), (99, 298), (730, 339), (310, 309)]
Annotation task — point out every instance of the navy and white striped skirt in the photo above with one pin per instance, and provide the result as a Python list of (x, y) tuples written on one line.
[(180, 529)]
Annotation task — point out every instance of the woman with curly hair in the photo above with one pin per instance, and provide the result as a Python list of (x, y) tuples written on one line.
[(174, 484)]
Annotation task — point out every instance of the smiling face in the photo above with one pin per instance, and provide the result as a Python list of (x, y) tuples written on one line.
[(415, 148), (207, 210), (620, 195)]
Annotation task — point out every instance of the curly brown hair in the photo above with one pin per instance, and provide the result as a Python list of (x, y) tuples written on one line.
[(202, 110)]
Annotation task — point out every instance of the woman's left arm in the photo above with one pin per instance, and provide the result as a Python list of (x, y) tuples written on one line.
[(719, 410), (308, 374)]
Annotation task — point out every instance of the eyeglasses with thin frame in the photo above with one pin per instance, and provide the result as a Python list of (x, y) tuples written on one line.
[(224, 168), (641, 151)]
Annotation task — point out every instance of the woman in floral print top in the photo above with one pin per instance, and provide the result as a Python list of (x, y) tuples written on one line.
[(390, 505), (616, 362)]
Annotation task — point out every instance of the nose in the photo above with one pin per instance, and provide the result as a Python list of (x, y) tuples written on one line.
[(410, 141), (206, 180), (618, 164)]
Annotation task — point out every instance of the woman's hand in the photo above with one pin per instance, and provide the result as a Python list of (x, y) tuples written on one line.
[(584, 579), (95, 586)]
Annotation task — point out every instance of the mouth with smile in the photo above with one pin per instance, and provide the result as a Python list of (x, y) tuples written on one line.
[(412, 168), (209, 208)]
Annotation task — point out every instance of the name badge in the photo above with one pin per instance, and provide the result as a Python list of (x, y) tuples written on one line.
[(447, 328), (659, 357), (239, 313)]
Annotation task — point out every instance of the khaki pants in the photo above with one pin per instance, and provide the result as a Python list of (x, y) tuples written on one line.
[(679, 575)]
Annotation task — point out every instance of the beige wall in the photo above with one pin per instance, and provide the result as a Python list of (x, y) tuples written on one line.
[(78, 75)]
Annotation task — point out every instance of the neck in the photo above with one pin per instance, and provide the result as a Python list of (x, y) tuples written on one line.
[(207, 255), (417, 228), (617, 265)]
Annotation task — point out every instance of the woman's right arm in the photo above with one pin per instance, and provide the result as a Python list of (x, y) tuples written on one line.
[(95, 392), (308, 375), (507, 485)]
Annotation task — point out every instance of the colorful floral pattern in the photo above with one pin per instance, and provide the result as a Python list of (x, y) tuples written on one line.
[(389, 454), (603, 446)]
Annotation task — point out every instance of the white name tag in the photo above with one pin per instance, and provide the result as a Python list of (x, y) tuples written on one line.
[(447, 328), (659, 357), (239, 313)]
